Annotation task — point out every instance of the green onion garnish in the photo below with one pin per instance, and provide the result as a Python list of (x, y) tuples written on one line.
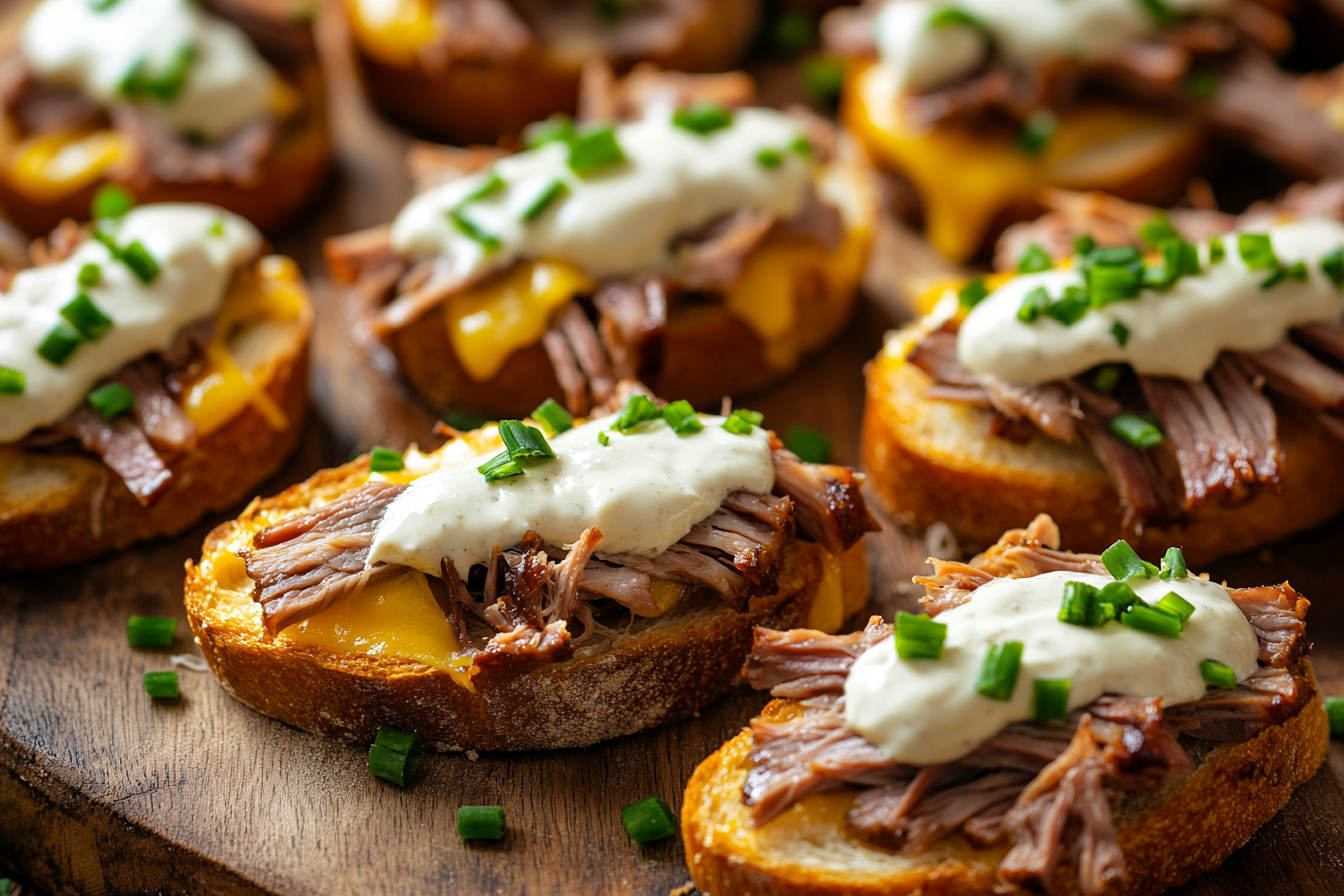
[(1154, 622), (1115, 599), (1078, 603), (1160, 11), (1037, 131), (1120, 332), (543, 200), (151, 631), (1157, 229), (1115, 256), (1123, 563), (1217, 252), (1034, 259), (703, 117), (682, 418), (89, 275), (139, 84), (1274, 279), (998, 673), (1297, 271), (602, 438), (480, 822), (1050, 699), (1332, 265), (473, 231), (1334, 711), (1084, 244), (1113, 283), (111, 201), (142, 264), (1202, 86), (1070, 308), (1136, 431), (919, 637), (111, 400), (769, 158), (216, 228), (1173, 565), (7, 885), (1175, 605), (1107, 378), (1221, 675), (12, 382), (810, 445), (594, 150), (555, 418), (1257, 252), (395, 755), (648, 820), (463, 421), (823, 78), (1033, 303), (59, 343), (791, 32), (951, 16), (523, 441), (501, 466), (638, 409), (741, 421), (385, 460), (492, 184), (556, 129), (973, 293), (162, 685), (803, 147), (86, 317)]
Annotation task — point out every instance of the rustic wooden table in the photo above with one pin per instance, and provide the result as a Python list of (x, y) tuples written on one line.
[(102, 791)]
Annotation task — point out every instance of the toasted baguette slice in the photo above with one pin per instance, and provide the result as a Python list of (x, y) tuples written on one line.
[(58, 509), (1167, 838), (932, 461), (661, 669)]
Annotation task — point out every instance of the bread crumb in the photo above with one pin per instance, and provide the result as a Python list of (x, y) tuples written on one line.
[(473, 755)]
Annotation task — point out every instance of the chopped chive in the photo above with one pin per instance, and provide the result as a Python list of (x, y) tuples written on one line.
[(1334, 711), (139, 84), (1174, 605), (492, 184), (1297, 271), (1257, 252), (1050, 699), (1037, 131), (555, 418), (1221, 675), (823, 78), (682, 418), (162, 685), (769, 158), (1154, 622), (86, 317), (803, 147), (973, 293), (1033, 260), (1217, 252), (111, 201), (89, 275), (523, 441), (544, 199), (602, 438), (151, 631), (703, 117), (919, 637), (1274, 279), (473, 231), (100, 6), (556, 129), (1084, 244), (1173, 565), (1180, 259), (385, 460), (1201, 86), (1115, 256), (501, 466), (59, 343), (638, 409), (595, 150), (1107, 378), (1157, 229), (12, 382), (1069, 308), (216, 228), (1033, 303), (810, 445), (480, 822), (792, 31), (463, 421), (1123, 563), (1077, 606), (1114, 600), (741, 421), (951, 17), (142, 264), (1136, 431), (1332, 265), (648, 820), (1120, 332), (1160, 11), (1113, 283), (395, 755), (998, 672), (111, 400)]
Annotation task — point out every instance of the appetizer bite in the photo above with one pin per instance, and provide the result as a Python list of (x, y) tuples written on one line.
[(515, 590), (683, 237), (472, 71), (1055, 723), (1181, 382), (152, 369), (176, 100)]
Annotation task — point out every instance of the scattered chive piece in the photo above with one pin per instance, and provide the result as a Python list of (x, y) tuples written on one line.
[(1050, 699), (594, 150), (1037, 131), (1217, 252), (792, 32), (59, 343), (973, 293), (741, 421), (474, 231), (480, 822), (7, 885), (1154, 622), (1076, 607), (552, 416), (1173, 565), (823, 78), (1034, 259), (1115, 256), (1175, 605), (1332, 265), (89, 275), (162, 685), (1033, 303), (98, 6), (951, 16), (919, 637), (1201, 86), (142, 264), (638, 408), (1221, 675), (216, 228), (703, 117), (523, 441), (1180, 259), (769, 158), (808, 444), (139, 84), (501, 466), (682, 418), (1334, 710), (395, 755), (1297, 271), (463, 421), (385, 460), (111, 201), (1113, 283), (543, 200), (648, 820), (1122, 563), (12, 382), (602, 438), (1274, 279), (492, 184), (1107, 378), (556, 129), (1256, 251), (1069, 308), (1136, 431), (1157, 229), (1160, 11), (151, 631), (111, 400), (1114, 600), (86, 317), (803, 147), (1084, 244), (1120, 332), (998, 673)]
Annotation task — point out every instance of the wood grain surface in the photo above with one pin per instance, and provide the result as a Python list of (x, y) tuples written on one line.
[(104, 792)]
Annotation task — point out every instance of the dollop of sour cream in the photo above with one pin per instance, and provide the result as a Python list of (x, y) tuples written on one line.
[(921, 55), (197, 249), (1178, 332), (926, 712), (644, 491), (92, 48), (620, 220)]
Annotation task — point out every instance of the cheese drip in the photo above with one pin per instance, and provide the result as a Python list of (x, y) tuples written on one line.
[(1178, 332), (196, 260), (644, 491), (927, 712), (227, 84), (620, 220), (920, 56)]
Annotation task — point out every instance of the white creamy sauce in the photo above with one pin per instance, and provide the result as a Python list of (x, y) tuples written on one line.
[(620, 220), (644, 491), (69, 42), (195, 267), (1178, 333), (928, 711), (919, 56)]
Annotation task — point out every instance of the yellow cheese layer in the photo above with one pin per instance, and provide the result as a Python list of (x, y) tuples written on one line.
[(396, 32), (47, 167)]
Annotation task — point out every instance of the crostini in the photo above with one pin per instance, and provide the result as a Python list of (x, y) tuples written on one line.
[(472, 71), (461, 595), (682, 237), (153, 368), (1177, 379), (220, 102), (1055, 723)]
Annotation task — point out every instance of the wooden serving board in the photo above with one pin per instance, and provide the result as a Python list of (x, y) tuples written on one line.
[(104, 792)]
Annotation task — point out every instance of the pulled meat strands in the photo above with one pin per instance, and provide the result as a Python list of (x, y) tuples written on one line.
[(802, 663), (826, 498), (123, 446)]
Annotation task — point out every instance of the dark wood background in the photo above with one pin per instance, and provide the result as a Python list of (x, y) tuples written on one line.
[(102, 791)]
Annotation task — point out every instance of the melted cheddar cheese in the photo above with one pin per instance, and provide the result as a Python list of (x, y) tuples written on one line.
[(392, 31), (50, 166)]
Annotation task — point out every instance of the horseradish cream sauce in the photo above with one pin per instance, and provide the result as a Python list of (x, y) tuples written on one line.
[(619, 220), (1178, 332), (926, 712), (74, 44), (644, 491), (920, 56), (196, 260)]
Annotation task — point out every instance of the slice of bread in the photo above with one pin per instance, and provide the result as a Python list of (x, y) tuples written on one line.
[(1167, 837)]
